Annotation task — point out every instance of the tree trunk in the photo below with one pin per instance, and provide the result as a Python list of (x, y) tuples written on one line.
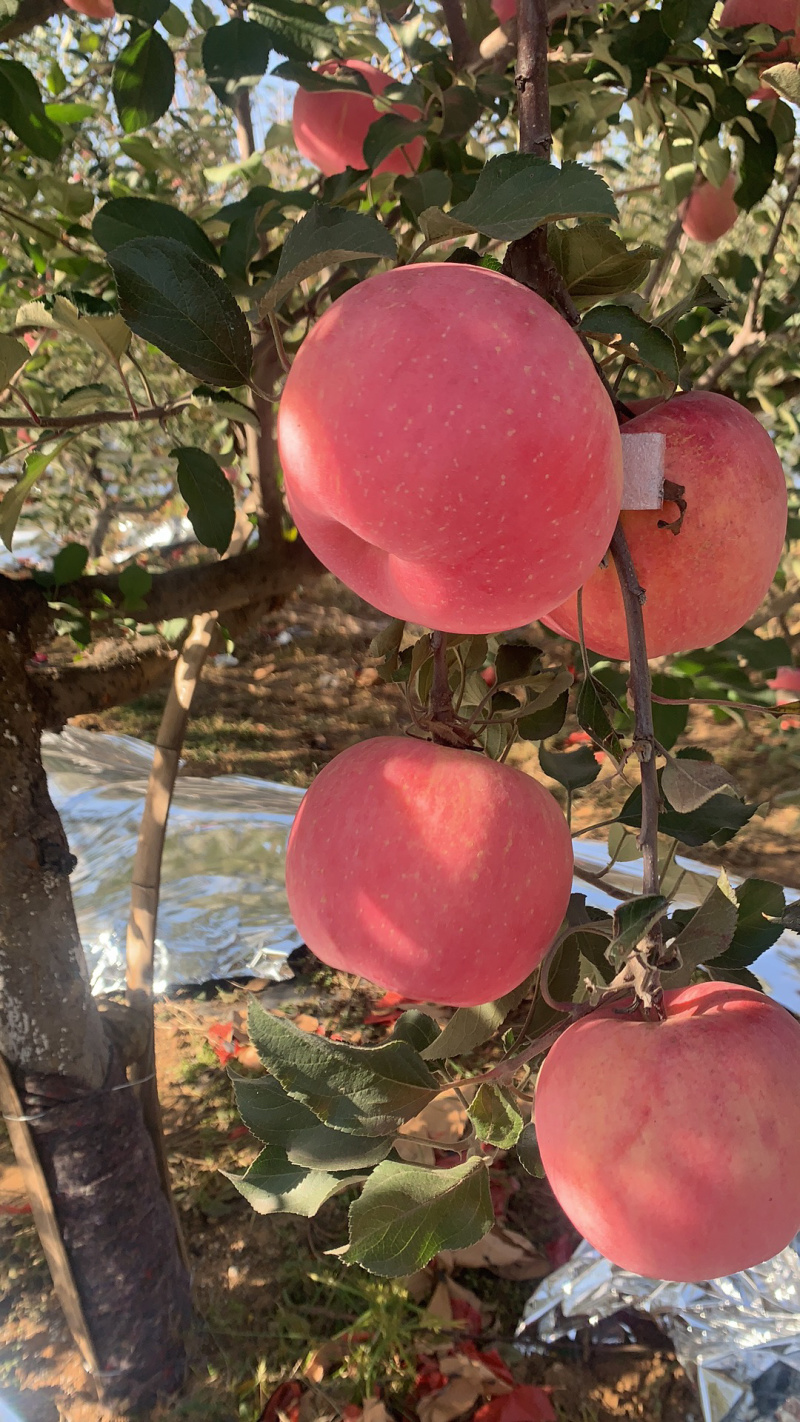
[(89, 1133)]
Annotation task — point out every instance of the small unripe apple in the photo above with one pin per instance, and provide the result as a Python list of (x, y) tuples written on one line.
[(330, 128), (709, 212)]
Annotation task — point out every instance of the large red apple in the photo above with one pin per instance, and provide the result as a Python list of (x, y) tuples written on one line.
[(448, 450), (674, 1146), (709, 212), (703, 583), (330, 128), (437, 873), (94, 9)]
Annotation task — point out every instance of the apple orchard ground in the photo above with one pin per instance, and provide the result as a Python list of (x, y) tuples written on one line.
[(283, 712)]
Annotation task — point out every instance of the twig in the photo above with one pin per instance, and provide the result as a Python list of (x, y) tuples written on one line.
[(441, 700), (633, 597), (659, 267), (726, 705), (97, 417), (751, 335), (461, 44)]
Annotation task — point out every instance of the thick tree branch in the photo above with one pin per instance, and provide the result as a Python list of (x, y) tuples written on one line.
[(206, 587), (134, 669)]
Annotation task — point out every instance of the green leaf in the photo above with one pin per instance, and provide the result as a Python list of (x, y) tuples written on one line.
[(515, 661), (461, 108), (688, 784), (542, 724), (221, 402), (407, 1214), (517, 192), (686, 20), (123, 219), (145, 11), (717, 820), (134, 583), (300, 31), (203, 15), (494, 1114), (69, 564), (69, 113), (761, 911), (271, 1114), (208, 495), (109, 336), (267, 1110), (642, 342), (235, 54), (470, 1026), (416, 1028), (632, 921), (314, 82), (639, 46), (785, 78), (595, 262), (707, 934), (143, 81), (432, 188), (572, 769), (319, 1147), (175, 22), (388, 132), (325, 237), (529, 1154), (22, 109), (759, 156), (669, 722), (367, 1091), (594, 704), (13, 355), (273, 1185), (14, 498), (170, 297)]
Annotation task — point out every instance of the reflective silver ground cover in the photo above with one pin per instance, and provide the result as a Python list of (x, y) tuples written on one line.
[(223, 906)]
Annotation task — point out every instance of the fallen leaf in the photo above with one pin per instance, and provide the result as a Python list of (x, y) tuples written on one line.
[(524, 1404), (466, 1308), (503, 1252), (306, 1022), (439, 1304), (248, 1057), (374, 1411), (457, 1399), (223, 1043), (419, 1284), (468, 1363), (285, 1401)]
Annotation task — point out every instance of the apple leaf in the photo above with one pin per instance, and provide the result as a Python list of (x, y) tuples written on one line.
[(406, 1214), (470, 1026), (708, 933), (517, 192), (572, 769), (13, 355), (325, 237), (21, 107), (636, 338), (143, 81), (595, 262), (123, 219), (367, 1091), (688, 784), (208, 495), (530, 1157), (273, 1185), (495, 1116)]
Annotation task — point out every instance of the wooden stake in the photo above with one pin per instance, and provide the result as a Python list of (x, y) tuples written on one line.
[(146, 878)]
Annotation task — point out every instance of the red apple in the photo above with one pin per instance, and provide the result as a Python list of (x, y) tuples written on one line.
[(448, 450), (505, 10), (783, 14), (674, 1146), (709, 212), (437, 873), (703, 583), (94, 9), (330, 128)]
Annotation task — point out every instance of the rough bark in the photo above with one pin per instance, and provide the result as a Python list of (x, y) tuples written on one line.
[(49, 1022), (94, 1150), (130, 671)]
